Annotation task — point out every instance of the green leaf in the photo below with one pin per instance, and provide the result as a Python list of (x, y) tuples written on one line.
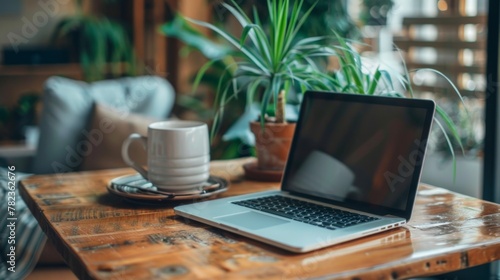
[(358, 82), (374, 81), (265, 101), (231, 39), (65, 27), (455, 89), (386, 78), (180, 29), (246, 31), (240, 15), (201, 73), (451, 126), (406, 80), (450, 146)]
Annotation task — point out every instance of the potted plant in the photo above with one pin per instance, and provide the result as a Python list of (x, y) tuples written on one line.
[(235, 138), (261, 72), (267, 66)]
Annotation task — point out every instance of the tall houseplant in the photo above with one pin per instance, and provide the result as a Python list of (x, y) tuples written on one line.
[(245, 74), (268, 65)]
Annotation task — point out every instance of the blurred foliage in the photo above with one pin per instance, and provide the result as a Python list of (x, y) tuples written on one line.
[(14, 120), (103, 47), (470, 127)]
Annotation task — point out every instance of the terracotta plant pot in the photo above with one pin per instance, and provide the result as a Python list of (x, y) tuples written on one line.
[(272, 143)]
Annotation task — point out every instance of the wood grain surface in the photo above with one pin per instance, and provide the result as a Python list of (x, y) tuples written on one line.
[(102, 236)]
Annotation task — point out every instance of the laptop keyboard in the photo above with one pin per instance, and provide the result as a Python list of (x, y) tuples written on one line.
[(306, 212)]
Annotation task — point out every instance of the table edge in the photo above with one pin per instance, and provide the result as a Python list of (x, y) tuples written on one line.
[(63, 249)]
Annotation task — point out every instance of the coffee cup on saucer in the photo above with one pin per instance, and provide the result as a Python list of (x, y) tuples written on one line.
[(178, 155)]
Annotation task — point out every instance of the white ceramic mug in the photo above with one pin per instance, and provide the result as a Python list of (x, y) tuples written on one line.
[(178, 154)]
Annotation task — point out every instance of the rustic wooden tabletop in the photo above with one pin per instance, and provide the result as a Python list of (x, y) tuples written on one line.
[(102, 236)]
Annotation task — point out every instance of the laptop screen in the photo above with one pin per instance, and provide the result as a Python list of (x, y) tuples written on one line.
[(362, 151)]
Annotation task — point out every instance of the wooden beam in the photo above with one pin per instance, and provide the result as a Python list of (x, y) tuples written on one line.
[(138, 22), (449, 20), (160, 41), (406, 44)]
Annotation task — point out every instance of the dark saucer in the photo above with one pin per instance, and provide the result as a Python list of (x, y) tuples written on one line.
[(252, 172), (130, 187)]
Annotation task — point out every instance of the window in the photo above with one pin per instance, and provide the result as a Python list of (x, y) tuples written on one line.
[(450, 37)]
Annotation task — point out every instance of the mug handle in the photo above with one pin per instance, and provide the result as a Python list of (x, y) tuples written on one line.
[(132, 138)]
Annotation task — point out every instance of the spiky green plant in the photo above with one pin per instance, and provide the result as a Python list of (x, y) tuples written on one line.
[(253, 60), (267, 61)]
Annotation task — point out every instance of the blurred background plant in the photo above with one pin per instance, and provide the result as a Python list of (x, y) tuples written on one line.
[(468, 117), (101, 45), (13, 121)]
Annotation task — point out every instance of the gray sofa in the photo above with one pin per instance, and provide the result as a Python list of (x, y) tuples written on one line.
[(68, 108)]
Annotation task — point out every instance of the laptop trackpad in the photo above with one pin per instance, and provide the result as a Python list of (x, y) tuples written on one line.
[(252, 220)]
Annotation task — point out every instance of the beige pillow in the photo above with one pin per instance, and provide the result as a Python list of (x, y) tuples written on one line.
[(105, 135)]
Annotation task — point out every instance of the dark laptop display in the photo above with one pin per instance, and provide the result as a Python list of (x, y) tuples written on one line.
[(367, 159)]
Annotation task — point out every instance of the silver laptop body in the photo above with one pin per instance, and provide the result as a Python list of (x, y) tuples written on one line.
[(355, 153)]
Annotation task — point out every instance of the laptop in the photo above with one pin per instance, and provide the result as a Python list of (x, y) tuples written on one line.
[(353, 170)]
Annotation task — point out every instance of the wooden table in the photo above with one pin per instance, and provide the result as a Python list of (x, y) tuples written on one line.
[(101, 236)]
